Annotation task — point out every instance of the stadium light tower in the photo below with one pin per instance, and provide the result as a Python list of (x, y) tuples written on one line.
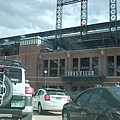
[(84, 17), (59, 10)]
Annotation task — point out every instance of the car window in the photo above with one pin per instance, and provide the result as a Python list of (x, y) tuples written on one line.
[(56, 92), (104, 97), (14, 74), (98, 96), (83, 98), (115, 92), (40, 92), (36, 93)]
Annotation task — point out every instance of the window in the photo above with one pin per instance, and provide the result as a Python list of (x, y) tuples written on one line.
[(103, 98), (84, 97), (53, 67), (98, 96), (74, 88), (14, 74), (95, 65), (40, 92), (85, 64), (83, 88), (61, 87), (95, 96), (62, 67), (116, 92), (75, 64), (110, 66), (36, 93), (56, 92), (118, 65)]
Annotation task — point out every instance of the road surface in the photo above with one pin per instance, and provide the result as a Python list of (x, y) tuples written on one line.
[(47, 116)]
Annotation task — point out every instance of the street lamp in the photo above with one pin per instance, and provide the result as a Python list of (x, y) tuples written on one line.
[(45, 72)]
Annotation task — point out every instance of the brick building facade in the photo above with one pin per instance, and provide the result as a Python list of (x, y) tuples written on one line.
[(71, 70)]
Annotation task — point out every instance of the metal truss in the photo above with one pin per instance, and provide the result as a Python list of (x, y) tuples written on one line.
[(113, 10), (113, 17), (9, 46), (105, 34), (67, 2), (60, 4), (83, 29), (58, 23), (84, 19), (97, 37)]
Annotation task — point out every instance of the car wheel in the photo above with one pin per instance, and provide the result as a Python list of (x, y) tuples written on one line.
[(40, 110), (8, 91), (65, 115)]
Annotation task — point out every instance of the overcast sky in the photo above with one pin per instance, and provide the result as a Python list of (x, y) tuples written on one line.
[(19, 17)]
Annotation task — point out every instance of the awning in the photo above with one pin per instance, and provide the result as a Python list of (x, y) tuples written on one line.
[(83, 79)]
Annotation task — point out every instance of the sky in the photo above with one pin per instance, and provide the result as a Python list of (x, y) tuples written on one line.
[(19, 17)]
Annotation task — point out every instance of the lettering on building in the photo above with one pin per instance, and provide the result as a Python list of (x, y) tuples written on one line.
[(79, 73)]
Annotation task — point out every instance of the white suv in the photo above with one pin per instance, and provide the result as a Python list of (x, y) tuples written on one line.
[(49, 99), (15, 94)]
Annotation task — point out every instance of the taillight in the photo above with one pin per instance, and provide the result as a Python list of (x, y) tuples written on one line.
[(29, 90), (68, 98), (15, 115), (47, 97), (2, 66)]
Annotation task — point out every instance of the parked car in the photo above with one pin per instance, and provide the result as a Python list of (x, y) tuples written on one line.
[(97, 103), (49, 99), (15, 92)]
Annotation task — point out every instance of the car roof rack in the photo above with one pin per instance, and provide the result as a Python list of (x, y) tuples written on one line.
[(9, 62)]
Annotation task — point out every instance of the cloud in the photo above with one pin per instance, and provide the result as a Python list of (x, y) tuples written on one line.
[(18, 17), (23, 16)]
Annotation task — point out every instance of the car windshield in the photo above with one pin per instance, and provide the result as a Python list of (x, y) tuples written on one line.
[(56, 92)]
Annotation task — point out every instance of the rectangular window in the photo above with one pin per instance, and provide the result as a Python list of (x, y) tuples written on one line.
[(95, 65), (14, 74), (118, 65), (24, 42), (53, 67), (74, 88), (62, 67), (85, 64), (61, 87), (110, 66), (75, 64)]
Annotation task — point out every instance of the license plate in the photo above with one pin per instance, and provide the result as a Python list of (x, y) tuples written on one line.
[(58, 98), (17, 103)]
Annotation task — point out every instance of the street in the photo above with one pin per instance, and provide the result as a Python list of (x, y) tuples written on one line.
[(47, 116)]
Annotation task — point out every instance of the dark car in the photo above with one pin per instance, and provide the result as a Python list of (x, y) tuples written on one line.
[(97, 103)]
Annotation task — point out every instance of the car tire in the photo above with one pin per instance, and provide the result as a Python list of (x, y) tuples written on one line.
[(8, 92), (65, 115), (40, 110)]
